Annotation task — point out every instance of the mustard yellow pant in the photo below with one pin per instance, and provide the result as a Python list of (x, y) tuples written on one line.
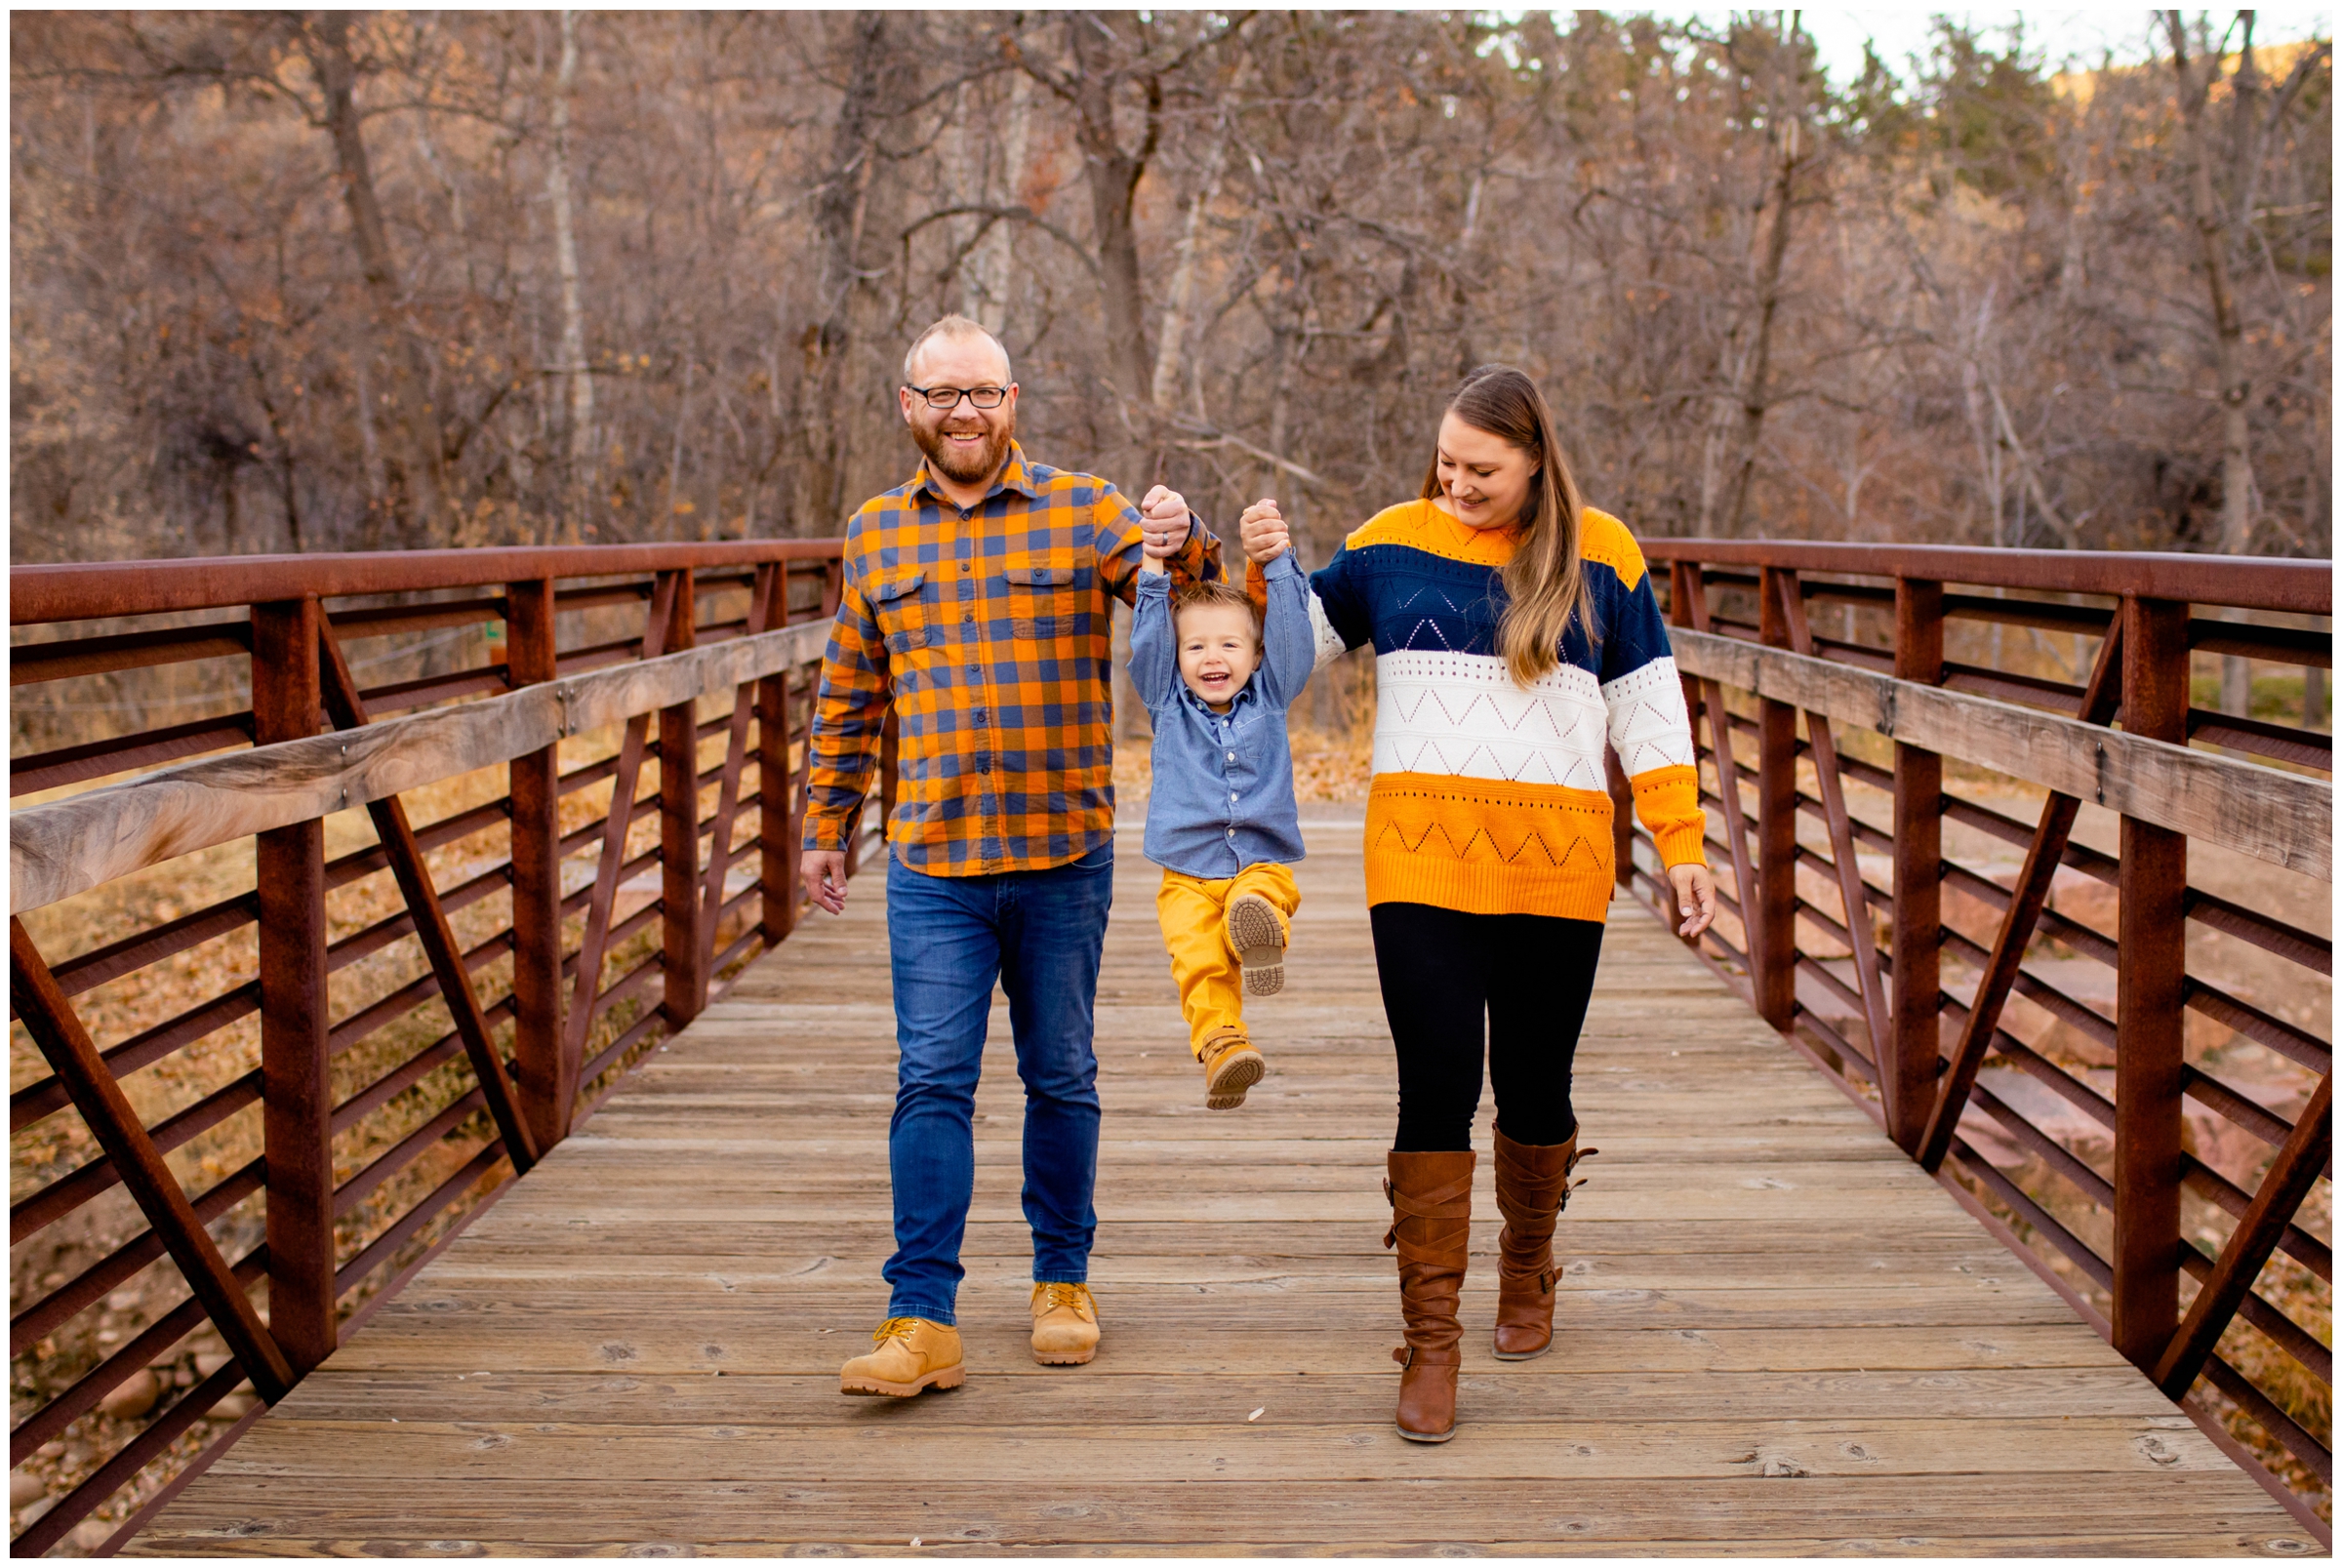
[(1203, 962)]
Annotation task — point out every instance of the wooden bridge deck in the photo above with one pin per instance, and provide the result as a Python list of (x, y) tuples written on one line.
[(1776, 1335)]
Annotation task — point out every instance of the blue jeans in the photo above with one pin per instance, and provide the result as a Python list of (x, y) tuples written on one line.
[(1039, 934)]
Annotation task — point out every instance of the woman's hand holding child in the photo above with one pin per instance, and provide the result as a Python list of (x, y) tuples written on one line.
[(1264, 532)]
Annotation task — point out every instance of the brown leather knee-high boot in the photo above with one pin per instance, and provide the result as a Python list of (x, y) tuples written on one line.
[(1430, 1225), (1532, 1189)]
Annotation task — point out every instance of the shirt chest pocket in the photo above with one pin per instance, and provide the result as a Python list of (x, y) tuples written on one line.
[(905, 618), (1046, 600)]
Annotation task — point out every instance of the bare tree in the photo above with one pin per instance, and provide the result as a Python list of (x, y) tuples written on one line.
[(573, 366)]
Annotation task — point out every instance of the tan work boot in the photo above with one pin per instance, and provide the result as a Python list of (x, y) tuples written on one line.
[(911, 1353), (1430, 1225), (1258, 936), (1532, 1189), (1065, 1324), (1230, 1066)]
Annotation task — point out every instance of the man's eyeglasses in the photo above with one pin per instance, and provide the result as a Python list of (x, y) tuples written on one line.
[(946, 398)]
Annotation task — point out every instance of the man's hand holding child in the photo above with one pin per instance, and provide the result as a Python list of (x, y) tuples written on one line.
[(1163, 527)]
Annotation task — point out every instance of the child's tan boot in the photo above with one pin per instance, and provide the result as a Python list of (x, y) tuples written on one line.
[(1258, 935), (1230, 1066)]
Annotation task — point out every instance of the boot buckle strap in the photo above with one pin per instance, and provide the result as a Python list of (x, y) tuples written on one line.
[(1404, 1354)]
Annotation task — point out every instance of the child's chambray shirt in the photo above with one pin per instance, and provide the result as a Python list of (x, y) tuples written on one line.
[(1223, 793)]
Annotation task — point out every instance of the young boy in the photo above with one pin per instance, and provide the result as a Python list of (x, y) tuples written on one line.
[(1222, 822)]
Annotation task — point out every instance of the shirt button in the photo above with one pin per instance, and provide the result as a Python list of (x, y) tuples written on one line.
[(1231, 832), (1232, 797), (1232, 756), (963, 566), (970, 616)]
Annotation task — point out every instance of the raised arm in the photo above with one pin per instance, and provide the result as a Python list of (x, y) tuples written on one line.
[(1333, 631), (1288, 637), (1153, 644), (1120, 529)]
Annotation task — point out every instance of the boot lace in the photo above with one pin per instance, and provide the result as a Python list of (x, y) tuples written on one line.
[(893, 1328), (1058, 1292)]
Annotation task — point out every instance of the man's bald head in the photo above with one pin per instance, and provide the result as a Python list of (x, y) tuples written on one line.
[(956, 330)]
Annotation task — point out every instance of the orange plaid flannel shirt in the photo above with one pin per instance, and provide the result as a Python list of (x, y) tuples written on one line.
[(989, 632)]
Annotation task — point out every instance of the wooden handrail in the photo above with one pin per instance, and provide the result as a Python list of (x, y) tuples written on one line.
[(70, 846), (2284, 819)]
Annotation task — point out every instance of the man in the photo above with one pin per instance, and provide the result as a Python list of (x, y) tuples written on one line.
[(976, 603)]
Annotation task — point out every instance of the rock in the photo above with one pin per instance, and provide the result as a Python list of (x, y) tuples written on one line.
[(91, 1534), (234, 1406), (122, 1300), (24, 1488), (30, 1513), (208, 1362), (134, 1396), (55, 1448)]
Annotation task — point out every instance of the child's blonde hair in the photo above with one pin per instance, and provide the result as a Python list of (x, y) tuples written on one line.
[(1219, 592)]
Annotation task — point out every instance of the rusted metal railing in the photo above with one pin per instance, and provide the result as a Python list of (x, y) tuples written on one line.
[(361, 1129), (1938, 995)]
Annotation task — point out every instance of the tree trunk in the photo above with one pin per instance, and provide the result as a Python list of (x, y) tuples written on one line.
[(326, 41), (565, 265), (992, 268), (1165, 385), (1114, 177), (2228, 327), (1730, 464), (838, 228)]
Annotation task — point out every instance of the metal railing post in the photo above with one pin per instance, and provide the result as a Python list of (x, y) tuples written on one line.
[(2149, 989), (778, 795), (1908, 1057), (1772, 934), (296, 1087), (1622, 821), (684, 973), (547, 1074)]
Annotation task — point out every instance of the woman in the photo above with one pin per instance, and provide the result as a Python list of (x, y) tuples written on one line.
[(1514, 632)]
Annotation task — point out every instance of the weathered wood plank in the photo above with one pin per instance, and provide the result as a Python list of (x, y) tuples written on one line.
[(1362, 1448), (70, 846), (2282, 818), (1997, 1515), (1152, 1398)]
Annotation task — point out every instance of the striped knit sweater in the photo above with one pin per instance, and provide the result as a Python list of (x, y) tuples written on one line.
[(1489, 797)]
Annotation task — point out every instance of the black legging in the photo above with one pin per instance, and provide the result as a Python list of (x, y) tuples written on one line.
[(1455, 984)]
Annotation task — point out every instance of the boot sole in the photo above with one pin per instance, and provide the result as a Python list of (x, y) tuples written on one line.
[(1423, 1437), (941, 1378), (1066, 1358), (1260, 944), (1523, 1355), (1225, 1089)]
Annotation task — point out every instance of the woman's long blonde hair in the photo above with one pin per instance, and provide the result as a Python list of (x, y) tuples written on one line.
[(1545, 581)]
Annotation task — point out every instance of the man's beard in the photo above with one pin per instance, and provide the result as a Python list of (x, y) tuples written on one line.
[(963, 464)]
